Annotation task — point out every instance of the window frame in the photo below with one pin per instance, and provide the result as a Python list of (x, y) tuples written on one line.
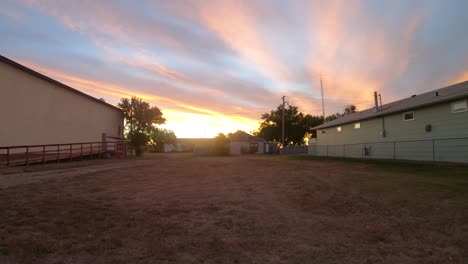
[(404, 114), (357, 125), (459, 102), (254, 147)]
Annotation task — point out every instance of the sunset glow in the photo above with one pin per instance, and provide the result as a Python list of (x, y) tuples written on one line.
[(217, 66)]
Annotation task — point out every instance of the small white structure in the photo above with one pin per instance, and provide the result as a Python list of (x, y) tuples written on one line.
[(244, 143)]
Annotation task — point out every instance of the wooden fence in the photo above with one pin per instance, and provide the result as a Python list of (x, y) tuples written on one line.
[(30, 154)]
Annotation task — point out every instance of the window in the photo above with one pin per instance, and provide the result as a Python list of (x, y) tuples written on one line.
[(459, 107), (408, 116), (253, 147), (357, 125), (338, 129)]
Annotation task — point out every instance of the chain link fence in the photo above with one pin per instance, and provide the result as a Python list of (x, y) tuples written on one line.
[(445, 150)]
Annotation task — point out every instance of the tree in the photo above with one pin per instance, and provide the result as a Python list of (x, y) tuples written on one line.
[(221, 144), (140, 121), (333, 117), (296, 125), (350, 109), (159, 137), (308, 122)]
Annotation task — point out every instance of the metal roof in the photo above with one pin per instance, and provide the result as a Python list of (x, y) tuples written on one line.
[(55, 82), (449, 93), (241, 136)]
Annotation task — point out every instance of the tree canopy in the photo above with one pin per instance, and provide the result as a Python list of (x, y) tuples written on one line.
[(158, 137), (296, 125), (221, 144), (349, 109), (140, 121)]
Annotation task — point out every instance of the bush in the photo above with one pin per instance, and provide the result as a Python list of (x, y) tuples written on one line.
[(221, 145)]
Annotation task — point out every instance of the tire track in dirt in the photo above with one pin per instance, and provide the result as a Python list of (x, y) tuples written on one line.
[(16, 179)]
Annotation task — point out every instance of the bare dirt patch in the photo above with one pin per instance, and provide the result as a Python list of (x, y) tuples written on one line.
[(184, 209)]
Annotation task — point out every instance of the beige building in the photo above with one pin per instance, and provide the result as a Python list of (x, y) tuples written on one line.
[(35, 109)]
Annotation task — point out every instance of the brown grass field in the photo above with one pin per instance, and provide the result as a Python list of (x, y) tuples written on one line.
[(177, 208)]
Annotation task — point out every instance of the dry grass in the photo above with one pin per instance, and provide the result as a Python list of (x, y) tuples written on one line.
[(184, 209)]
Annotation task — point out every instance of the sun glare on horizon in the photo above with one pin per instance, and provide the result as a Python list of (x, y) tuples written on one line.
[(190, 125)]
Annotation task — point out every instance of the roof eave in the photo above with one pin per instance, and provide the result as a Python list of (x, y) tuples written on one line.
[(50, 80), (395, 112)]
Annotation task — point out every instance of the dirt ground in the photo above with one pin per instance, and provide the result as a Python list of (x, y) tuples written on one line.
[(254, 209)]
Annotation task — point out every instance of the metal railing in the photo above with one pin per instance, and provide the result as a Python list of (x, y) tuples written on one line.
[(29, 154), (444, 149)]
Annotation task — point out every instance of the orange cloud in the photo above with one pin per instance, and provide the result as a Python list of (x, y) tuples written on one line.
[(233, 23), (354, 65), (351, 50), (146, 62), (462, 78), (185, 119), (104, 19)]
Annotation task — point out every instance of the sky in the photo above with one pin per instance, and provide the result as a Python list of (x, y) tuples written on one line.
[(216, 66)]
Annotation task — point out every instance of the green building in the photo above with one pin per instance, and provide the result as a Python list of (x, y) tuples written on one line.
[(432, 126)]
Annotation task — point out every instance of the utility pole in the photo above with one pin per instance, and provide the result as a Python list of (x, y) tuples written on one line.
[(323, 102), (282, 124), (380, 98)]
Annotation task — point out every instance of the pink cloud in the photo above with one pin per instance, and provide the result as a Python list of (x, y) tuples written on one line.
[(179, 112), (233, 22)]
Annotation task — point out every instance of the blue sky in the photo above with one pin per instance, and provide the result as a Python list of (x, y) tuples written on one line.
[(216, 66)]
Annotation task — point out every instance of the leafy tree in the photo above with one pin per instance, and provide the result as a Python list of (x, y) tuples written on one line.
[(159, 137), (140, 121), (221, 144), (348, 110), (308, 122), (296, 125), (333, 117)]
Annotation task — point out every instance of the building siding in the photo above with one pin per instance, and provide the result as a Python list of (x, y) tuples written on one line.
[(235, 148), (403, 139), (34, 111)]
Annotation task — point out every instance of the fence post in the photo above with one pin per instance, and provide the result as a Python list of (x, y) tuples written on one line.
[(327, 150), (91, 154), (394, 150), (27, 155), (43, 154), (81, 152), (71, 151), (433, 150), (364, 153), (8, 157), (344, 150)]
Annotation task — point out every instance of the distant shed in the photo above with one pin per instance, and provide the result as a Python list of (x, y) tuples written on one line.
[(242, 142)]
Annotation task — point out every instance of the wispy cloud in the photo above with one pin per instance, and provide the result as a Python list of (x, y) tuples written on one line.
[(225, 62)]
